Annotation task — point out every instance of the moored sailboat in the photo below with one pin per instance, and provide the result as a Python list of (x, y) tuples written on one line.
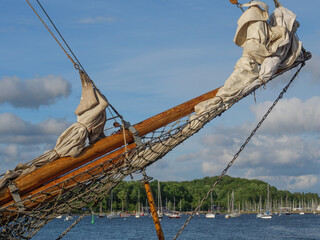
[(112, 215), (210, 214)]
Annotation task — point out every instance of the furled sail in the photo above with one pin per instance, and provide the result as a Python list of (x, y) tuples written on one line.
[(91, 118), (75, 175)]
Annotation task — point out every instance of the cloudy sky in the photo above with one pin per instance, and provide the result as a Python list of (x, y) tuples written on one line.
[(146, 57)]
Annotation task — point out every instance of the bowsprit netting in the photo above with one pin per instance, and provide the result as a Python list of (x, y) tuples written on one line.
[(89, 184)]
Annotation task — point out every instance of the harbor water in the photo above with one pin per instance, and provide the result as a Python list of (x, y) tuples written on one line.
[(246, 227)]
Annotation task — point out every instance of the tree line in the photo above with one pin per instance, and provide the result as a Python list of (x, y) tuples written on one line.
[(186, 195)]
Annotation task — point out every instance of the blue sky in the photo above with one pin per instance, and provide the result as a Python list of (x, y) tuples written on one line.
[(146, 57)]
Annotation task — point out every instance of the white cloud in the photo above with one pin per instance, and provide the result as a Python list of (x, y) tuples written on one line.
[(10, 152), (98, 19), (313, 68), (291, 116), (265, 154), (286, 145), (302, 182), (306, 183), (22, 141), (14, 130), (12, 124), (292, 183), (32, 93), (53, 126)]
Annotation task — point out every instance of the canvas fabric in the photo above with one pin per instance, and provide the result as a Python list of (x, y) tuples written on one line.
[(266, 47), (91, 118)]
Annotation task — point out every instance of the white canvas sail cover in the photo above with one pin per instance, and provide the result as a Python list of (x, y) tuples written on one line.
[(266, 47), (91, 118)]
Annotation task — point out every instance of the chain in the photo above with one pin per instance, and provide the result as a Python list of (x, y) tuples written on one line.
[(239, 151), (72, 225)]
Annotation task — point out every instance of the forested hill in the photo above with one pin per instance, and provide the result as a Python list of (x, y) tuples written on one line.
[(246, 194)]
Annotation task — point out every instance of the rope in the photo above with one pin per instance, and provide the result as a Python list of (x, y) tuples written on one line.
[(76, 66), (239, 151), (81, 188), (61, 36)]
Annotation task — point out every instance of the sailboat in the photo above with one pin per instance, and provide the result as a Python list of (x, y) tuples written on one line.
[(174, 214), (68, 218), (112, 214), (260, 214), (267, 214), (228, 203), (233, 212), (101, 215), (210, 214), (138, 212), (301, 208), (160, 210)]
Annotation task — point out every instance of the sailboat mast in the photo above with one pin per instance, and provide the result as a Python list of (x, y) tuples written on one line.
[(228, 203), (111, 202), (232, 201)]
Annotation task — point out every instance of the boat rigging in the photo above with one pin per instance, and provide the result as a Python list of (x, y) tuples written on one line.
[(41, 192)]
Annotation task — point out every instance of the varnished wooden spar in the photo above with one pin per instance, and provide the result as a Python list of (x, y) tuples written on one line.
[(153, 210), (64, 165), (47, 192)]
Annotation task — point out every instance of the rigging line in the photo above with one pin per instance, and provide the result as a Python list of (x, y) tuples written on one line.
[(61, 36), (239, 151), (79, 64), (76, 66), (235, 2)]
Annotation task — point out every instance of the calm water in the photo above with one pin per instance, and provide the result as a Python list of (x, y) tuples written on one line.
[(245, 227)]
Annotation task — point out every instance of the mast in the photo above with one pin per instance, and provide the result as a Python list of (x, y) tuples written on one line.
[(232, 201), (111, 202), (100, 209), (139, 201), (228, 204), (159, 198), (260, 203)]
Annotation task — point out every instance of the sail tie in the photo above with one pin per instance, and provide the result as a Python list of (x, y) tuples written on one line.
[(14, 190)]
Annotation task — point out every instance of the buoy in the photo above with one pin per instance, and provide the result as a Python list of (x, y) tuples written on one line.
[(92, 218)]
